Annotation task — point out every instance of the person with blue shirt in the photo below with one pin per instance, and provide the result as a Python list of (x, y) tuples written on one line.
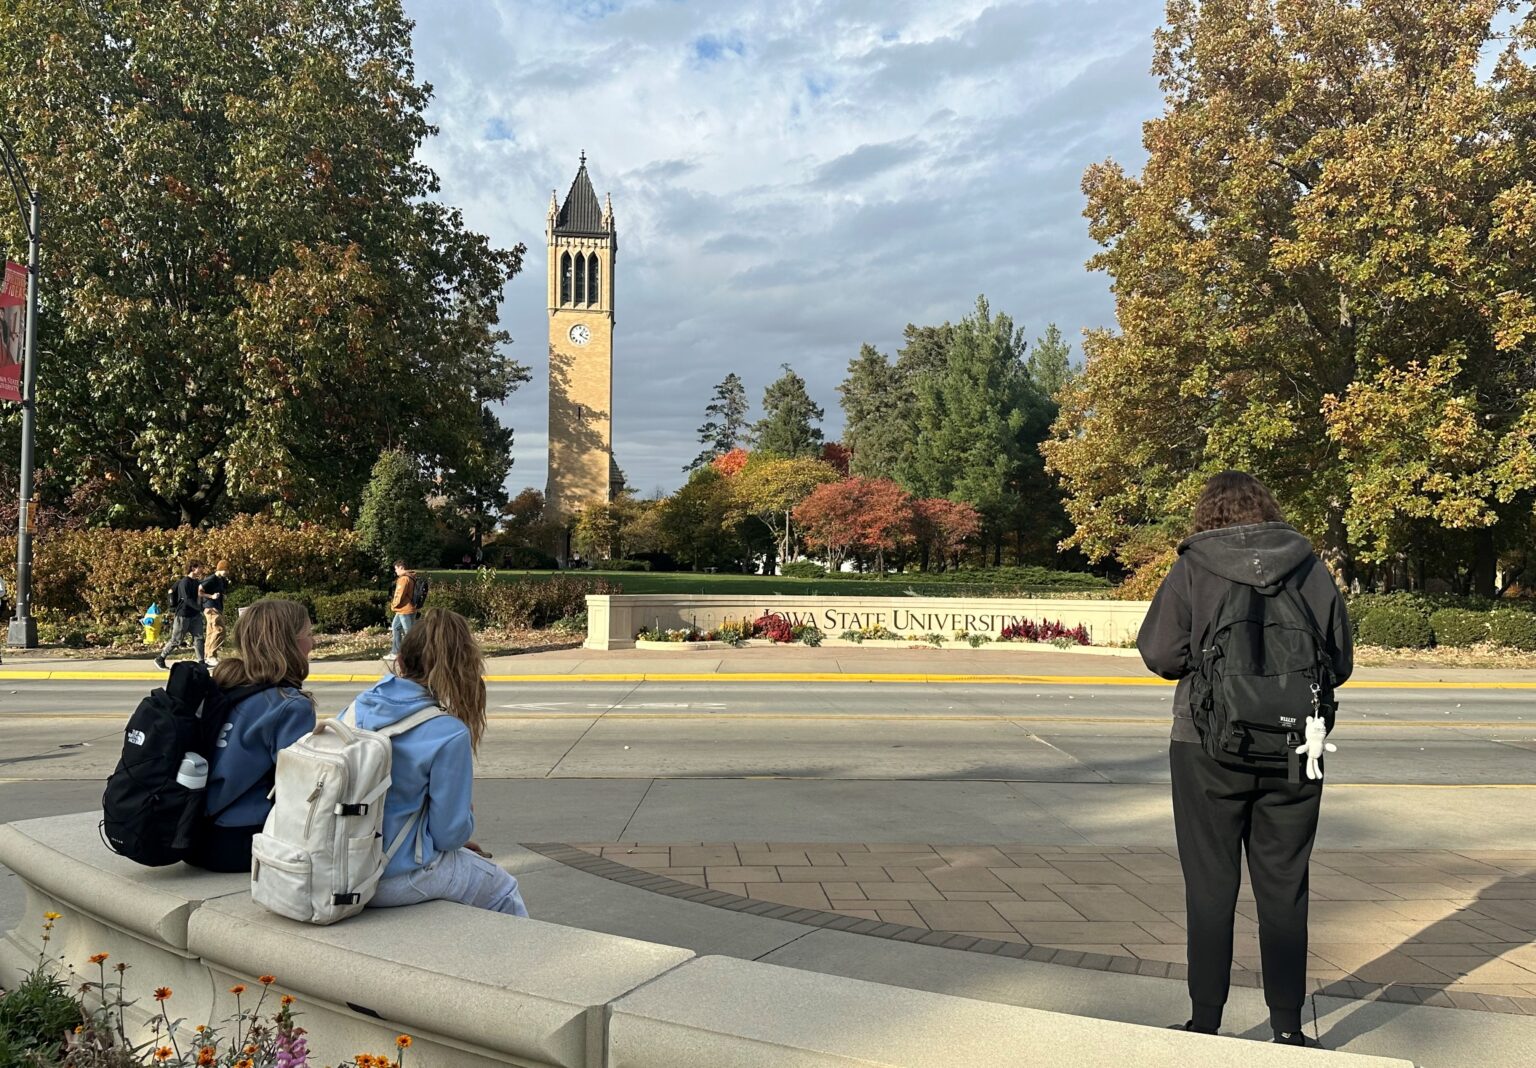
[(273, 642), (431, 778)]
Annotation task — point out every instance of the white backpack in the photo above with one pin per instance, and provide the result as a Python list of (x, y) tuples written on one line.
[(320, 856)]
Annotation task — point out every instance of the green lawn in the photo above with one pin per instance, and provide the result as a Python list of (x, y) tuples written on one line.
[(691, 582)]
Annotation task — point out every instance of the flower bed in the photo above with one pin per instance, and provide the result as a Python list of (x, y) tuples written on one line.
[(54, 1017), (770, 628)]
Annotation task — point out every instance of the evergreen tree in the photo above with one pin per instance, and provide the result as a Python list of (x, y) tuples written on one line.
[(1050, 362), (395, 522), (970, 420), (787, 427), (726, 426), (876, 404)]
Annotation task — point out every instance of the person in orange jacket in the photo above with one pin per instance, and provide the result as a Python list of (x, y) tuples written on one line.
[(403, 605)]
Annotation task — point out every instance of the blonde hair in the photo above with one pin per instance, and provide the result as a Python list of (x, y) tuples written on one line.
[(266, 638), (440, 653)]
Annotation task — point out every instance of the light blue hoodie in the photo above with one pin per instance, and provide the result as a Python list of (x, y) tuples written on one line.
[(242, 767), (432, 773)]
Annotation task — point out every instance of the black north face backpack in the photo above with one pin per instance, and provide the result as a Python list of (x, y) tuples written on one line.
[(422, 585), (147, 815), (1263, 669)]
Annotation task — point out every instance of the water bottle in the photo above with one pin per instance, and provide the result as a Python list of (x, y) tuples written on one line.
[(194, 772)]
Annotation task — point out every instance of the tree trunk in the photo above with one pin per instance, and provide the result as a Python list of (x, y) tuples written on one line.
[(1485, 564), (1337, 554)]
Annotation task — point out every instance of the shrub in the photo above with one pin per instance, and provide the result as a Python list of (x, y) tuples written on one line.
[(1395, 627), (113, 575), (1513, 630), (394, 521), (774, 627), (1044, 631), (304, 597), (468, 598), (536, 603), (803, 569), (1458, 628), (351, 611), (625, 565)]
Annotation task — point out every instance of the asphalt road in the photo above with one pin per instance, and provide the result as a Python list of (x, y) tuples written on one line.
[(57, 730)]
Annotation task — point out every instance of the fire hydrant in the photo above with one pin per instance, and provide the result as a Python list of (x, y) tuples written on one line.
[(152, 625)]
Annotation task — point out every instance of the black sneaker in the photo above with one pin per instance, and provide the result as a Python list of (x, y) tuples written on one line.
[(1291, 1038), (1189, 1025), (160, 663)]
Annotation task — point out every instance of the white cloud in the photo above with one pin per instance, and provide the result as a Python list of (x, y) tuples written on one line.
[(789, 179)]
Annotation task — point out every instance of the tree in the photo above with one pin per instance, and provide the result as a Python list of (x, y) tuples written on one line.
[(395, 522), (726, 426), (970, 417), (250, 290), (1323, 267), (696, 525), (787, 427), (769, 489), (829, 519), (1050, 362), (476, 491), (876, 399), (731, 463), (941, 529), (836, 456), (596, 532)]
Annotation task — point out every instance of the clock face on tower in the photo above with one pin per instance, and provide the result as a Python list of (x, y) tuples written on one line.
[(580, 335)]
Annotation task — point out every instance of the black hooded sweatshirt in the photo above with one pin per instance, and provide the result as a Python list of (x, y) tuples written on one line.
[(1265, 555)]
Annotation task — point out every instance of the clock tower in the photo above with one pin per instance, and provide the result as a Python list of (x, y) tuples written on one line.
[(583, 245)]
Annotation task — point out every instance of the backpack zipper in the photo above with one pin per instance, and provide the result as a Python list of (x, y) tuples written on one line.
[(314, 795)]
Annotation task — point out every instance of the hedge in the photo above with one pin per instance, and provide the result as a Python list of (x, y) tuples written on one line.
[(112, 576), (806, 569), (1395, 627), (1458, 628), (350, 611), (1513, 630)]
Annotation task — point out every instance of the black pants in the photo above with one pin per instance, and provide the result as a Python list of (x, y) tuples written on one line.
[(1218, 811), (223, 848)]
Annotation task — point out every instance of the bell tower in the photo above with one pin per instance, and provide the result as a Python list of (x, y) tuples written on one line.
[(583, 245)]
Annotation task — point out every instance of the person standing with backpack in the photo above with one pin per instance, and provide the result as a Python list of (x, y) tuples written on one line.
[(1253, 628), (187, 617), (273, 642), (429, 817)]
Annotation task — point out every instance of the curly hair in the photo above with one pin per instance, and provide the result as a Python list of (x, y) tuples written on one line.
[(1235, 498)]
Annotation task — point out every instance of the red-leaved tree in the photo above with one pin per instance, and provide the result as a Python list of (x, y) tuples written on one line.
[(731, 463), (942, 527), (872, 515)]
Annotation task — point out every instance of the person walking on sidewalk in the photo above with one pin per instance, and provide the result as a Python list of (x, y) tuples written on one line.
[(403, 605), (211, 593), (1246, 564), (187, 615)]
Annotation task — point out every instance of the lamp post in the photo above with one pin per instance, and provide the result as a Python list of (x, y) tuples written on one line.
[(23, 628)]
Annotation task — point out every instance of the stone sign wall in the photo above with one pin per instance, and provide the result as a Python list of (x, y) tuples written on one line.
[(613, 620)]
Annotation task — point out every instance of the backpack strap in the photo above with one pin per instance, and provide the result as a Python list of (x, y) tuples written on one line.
[(415, 719)]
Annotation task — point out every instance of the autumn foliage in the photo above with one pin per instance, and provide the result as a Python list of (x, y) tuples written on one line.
[(875, 516)]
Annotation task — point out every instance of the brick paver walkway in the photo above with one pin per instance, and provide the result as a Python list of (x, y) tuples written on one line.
[(1423, 926)]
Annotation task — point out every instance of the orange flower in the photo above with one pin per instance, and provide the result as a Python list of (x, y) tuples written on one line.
[(244, 1062), (287, 999), (207, 1055), (164, 1053), (267, 980), (201, 1028), (403, 1042), (97, 958), (162, 993), (237, 989), (51, 916)]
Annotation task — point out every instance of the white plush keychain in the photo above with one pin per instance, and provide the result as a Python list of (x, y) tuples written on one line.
[(1316, 743)]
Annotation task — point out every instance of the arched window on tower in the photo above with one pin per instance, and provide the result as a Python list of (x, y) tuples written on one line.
[(581, 279), (594, 291), (565, 278)]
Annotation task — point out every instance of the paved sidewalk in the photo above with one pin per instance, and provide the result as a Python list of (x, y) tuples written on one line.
[(1434, 927), (789, 663)]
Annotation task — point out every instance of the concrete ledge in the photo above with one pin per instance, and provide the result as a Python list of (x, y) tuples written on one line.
[(719, 1010), (473, 980)]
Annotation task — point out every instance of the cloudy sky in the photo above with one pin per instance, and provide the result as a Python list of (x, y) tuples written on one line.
[(790, 178)]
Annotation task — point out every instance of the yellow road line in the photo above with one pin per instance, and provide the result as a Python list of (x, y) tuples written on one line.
[(781, 677)]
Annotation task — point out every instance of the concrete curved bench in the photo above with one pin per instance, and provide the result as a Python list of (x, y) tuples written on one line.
[(476, 988)]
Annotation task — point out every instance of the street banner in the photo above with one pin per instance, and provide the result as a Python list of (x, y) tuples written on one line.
[(13, 318)]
